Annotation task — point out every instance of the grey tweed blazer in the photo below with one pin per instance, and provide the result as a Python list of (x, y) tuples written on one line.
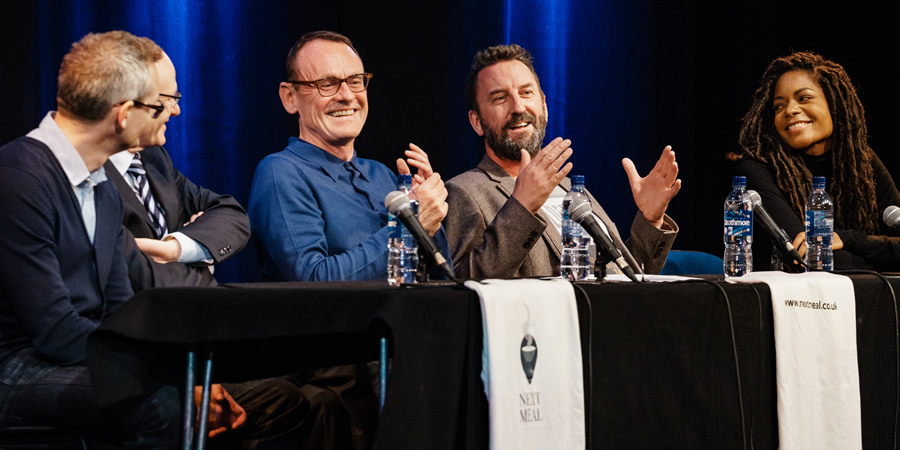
[(492, 235)]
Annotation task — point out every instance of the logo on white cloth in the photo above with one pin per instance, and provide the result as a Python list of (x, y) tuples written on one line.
[(529, 356), (529, 402), (528, 349)]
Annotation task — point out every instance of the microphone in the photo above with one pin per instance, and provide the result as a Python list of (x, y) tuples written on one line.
[(777, 233), (397, 203), (891, 216), (580, 211)]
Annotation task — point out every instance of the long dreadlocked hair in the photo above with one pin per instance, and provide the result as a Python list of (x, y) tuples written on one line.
[(853, 187)]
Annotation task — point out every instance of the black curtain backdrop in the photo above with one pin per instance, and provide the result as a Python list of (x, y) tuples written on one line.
[(622, 79)]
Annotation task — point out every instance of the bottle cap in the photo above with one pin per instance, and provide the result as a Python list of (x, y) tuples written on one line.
[(739, 181), (578, 179), (405, 178), (819, 182)]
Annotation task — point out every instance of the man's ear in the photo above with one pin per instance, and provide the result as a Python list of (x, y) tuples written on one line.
[(475, 121), (122, 115), (545, 104), (287, 93)]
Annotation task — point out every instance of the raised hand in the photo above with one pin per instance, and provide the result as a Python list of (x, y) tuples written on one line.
[(432, 196), (653, 192), (428, 188), (416, 157), (539, 176)]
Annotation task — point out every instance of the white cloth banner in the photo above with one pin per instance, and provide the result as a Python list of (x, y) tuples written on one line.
[(531, 364), (816, 368)]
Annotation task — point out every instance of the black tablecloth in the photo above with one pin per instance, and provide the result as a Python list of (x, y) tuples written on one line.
[(664, 367), (260, 330), (661, 374)]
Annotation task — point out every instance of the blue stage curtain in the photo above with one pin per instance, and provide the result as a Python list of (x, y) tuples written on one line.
[(621, 78)]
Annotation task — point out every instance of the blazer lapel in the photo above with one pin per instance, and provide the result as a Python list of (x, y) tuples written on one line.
[(506, 184), (130, 201), (167, 198)]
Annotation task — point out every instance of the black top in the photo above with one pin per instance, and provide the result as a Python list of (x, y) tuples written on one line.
[(861, 251)]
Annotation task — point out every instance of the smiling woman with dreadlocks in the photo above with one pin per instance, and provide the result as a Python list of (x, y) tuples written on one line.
[(807, 120)]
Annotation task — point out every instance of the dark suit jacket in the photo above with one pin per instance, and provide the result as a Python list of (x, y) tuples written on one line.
[(223, 229), (493, 236)]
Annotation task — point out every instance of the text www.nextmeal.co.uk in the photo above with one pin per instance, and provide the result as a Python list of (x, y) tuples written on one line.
[(810, 305)]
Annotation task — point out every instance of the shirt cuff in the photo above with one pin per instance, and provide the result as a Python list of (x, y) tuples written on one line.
[(191, 250)]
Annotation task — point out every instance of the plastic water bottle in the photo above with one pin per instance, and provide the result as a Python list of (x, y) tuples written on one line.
[(738, 259), (575, 262), (403, 250), (819, 228)]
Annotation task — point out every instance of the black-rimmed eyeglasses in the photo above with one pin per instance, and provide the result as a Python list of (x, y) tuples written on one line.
[(158, 109), (174, 98), (330, 86)]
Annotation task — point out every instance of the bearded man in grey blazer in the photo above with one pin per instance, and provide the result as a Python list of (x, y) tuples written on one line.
[(505, 214)]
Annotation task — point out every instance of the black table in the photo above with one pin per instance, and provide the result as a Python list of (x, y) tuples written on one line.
[(661, 371), (664, 372), (269, 329)]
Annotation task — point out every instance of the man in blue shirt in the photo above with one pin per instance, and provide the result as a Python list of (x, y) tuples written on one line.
[(317, 213), (317, 210)]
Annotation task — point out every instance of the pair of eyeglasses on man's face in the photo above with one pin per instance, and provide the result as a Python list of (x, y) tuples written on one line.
[(158, 109), (330, 86)]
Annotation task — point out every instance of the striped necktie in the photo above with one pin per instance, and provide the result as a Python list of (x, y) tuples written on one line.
[(157, 215)]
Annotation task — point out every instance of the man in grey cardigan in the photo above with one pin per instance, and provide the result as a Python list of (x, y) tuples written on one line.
[(505, 214)]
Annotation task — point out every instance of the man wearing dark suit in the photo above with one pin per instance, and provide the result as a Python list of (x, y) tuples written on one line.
[(175, 230), (177, 247), (505, 214), (221, 228)]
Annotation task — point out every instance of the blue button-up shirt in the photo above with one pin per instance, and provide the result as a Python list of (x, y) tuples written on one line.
[(310, 222), (82, 180)]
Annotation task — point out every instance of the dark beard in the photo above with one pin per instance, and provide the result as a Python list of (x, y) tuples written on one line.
[(509, 149)]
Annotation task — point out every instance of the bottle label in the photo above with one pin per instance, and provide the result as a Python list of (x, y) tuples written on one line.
[(819, 225), (394, 230), (739, 223)]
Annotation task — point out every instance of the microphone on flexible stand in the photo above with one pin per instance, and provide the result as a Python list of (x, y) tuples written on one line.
[(782, 240), (580, 211), (397, 203)]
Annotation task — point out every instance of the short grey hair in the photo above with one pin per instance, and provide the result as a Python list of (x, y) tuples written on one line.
[(104, 69)]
